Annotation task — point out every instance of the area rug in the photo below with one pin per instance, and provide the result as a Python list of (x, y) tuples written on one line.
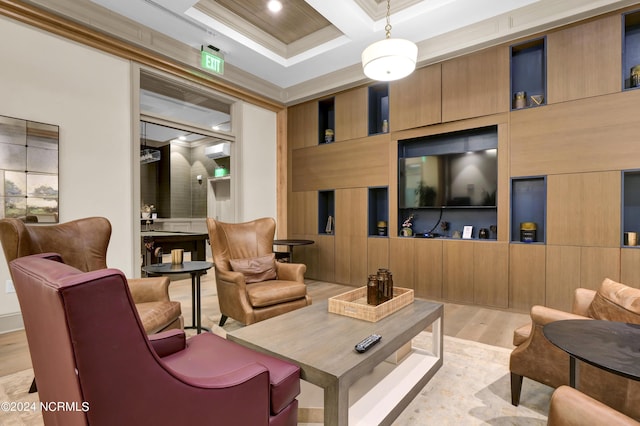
[(471, 388)]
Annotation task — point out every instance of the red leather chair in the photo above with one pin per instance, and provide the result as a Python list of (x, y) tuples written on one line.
[(90, 351)]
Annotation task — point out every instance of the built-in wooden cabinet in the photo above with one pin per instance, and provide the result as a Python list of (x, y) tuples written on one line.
[(377, 254), (527, 272), (351, 236), (629, 271), (302, 125), (583, 209), (585, 60), (428, 268), (401, 261), (351, 114), (476, 84), (416, 100), (491, 274), (457, 270)]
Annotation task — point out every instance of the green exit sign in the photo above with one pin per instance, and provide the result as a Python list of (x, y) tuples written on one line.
[(212, 62)]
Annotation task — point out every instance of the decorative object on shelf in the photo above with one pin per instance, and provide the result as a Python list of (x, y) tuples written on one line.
[(158, 254), (382, 228), (467, 232), (528, 232), (520, 100), (537, 99), (329, 228), (385, 126), (328, 135), (635, 76), (444, 225), (630, 238), (483, 234), (146, 210), (391, 58), (456, 234), (494, 230), (406, 230), (220, 171)]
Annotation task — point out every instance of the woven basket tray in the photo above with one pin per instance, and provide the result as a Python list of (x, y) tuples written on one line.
[(354, 304)]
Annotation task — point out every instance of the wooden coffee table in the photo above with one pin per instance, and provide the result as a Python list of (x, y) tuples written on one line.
[(322, 344)]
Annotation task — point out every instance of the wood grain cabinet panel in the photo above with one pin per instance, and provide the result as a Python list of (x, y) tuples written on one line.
[(415, 101), (585, 60), (584, 209), (562, 276), (457, 269), (351, 114), (351, 236), (322, 266), (598, 263), (629, 270), (526, 276), (491, 274), (476, 84), (305, 219), (377, 254), (428, 268), (302, 125), (401, 264)]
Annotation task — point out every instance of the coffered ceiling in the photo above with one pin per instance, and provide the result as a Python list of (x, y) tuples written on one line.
[(315, 45)]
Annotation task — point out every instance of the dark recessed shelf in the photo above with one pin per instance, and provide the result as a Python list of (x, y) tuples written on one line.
[(378, 211), (326, 121), (379, 108), (630, 204), (528, 204), (630, 47), (326, 209), (529, 74)]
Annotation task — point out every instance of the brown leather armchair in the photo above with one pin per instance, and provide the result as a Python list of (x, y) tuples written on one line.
[(251, 285), (538, 359), (570, 407), (89, 351), (83, 244)]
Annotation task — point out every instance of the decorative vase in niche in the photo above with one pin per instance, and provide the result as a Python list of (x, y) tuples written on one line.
[(406, 232), (483, 234), (382, 228)]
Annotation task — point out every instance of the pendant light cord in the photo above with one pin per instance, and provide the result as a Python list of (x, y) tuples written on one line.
[(387, 27)]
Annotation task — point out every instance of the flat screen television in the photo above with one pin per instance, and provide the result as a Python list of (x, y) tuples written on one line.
[(468, 179)]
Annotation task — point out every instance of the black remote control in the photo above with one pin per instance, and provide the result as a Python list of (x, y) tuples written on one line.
[(367, 343)]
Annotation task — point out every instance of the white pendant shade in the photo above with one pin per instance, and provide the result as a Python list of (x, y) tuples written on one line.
[(389, 59)]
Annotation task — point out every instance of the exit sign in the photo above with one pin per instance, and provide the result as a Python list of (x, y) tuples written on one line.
[(212, 62)]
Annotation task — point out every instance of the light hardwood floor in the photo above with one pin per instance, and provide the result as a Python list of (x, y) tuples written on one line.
[(490, 326)]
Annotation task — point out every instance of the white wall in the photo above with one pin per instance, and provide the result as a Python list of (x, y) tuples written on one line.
[(88, 94), (256, 163)]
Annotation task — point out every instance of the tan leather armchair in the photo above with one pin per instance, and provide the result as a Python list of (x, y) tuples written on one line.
[(570, 407), (251, 244), (83, 244), (538, 359)]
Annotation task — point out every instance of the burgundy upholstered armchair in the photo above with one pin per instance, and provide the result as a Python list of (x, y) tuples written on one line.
[(89, 350), (83, 244), (251, 285)]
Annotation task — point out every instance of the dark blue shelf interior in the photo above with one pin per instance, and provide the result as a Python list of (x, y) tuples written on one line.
[(631, 201), (326, 208), (326, 118), (378, 208), (631, 46), (528, 204), (529, 70), (378, 107)]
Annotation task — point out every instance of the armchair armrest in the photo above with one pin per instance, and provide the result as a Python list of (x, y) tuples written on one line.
[(582, 298), (542, 315), (291, 271), (168, 342), (152, 289), (231, 277), (570, 407)]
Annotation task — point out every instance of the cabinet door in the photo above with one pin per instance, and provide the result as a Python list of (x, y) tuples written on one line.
[(596, 264), (302, 125), (351, 236), (377, 254), (585, 60), (351, 114), (491, 274), (401, 252), (583, 209), (321, 260), (415, 101), (303, 213), (476, 84), (457, 265), (526, 276), (428, 268), (629, 271), (562, 276)]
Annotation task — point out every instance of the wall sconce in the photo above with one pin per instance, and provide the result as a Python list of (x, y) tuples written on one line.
[(199, 178)]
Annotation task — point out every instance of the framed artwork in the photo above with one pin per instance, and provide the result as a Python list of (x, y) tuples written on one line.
[(29, 170)]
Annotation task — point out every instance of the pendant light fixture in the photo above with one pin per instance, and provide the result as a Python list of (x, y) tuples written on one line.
[(391, 58)]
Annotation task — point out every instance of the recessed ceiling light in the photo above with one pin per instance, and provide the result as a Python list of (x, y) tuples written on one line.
[(274, 6), (182, 138)]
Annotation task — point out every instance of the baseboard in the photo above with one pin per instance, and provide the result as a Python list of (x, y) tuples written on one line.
[(11, 322)]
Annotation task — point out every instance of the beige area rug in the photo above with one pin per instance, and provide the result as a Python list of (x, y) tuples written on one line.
[(471, 388)]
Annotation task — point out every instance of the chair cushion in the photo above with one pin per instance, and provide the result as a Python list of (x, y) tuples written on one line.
[(256, 269), (274, 292), (616, 302), (155, 316)]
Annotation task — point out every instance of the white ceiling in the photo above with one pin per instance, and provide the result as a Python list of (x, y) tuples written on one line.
[(441, 28)]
